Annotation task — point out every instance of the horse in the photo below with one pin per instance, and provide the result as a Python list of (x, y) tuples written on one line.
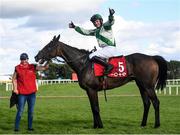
[(149, 73)]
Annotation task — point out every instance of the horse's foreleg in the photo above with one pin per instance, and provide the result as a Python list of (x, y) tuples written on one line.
[(146, 103), (93, 98), (156, 103)]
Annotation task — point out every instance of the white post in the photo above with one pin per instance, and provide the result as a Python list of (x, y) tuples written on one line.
[(159, 91), (169, 90), (9, 86), (165, 91), (176, 90), (6, 87)]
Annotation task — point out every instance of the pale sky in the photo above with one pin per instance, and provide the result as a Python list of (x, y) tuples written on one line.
[(145, 26)]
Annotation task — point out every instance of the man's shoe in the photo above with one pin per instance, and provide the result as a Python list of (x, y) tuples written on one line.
[(30, 129), (16, 130)]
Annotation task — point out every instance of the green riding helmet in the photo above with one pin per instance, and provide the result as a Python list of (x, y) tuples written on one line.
[(96, 17)]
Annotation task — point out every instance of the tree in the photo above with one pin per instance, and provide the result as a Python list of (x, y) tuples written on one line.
[(174, 69), (56, 71)]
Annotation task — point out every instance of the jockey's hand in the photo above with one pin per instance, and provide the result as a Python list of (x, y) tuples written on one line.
[(71, 25), (111, 12), (93, 50)]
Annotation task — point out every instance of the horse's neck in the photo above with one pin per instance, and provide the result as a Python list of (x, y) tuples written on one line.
[(73, 56)]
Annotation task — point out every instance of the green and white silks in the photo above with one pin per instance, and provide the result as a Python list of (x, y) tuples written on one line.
[(104, 36)]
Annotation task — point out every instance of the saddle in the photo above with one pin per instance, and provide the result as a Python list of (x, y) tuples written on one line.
[(119, 68)]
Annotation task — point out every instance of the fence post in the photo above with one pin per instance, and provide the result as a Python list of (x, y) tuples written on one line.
[(6, 86), (9, 86), (164, 91), (169, 90), (177, 90), (159, 91)]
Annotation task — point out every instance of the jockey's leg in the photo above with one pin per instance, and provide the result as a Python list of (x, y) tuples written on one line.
[(108, 67), (105, 52)]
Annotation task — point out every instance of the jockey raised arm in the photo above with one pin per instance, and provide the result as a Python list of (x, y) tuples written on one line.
[(104, 35)]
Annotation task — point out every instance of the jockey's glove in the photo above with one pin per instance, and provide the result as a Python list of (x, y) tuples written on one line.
[(71, 25), (111, 12)]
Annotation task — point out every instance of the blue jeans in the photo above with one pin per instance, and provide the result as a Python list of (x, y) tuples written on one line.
[(31, 98)]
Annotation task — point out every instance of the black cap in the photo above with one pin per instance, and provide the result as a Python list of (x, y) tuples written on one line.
[(24, 56)]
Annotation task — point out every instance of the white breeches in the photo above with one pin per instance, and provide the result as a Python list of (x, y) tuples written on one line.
[(105, 52)]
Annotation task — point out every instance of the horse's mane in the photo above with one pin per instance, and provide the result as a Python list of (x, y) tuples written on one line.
[(79, 50), (84, 51)]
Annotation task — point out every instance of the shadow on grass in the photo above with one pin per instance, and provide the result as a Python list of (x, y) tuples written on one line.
[(76, 126), (86, 126)]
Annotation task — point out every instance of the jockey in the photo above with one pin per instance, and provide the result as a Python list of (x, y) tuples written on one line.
[(104, 36)]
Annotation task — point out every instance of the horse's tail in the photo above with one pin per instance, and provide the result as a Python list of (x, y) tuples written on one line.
[(162, 76)]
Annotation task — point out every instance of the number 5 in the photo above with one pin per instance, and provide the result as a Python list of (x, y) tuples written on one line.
[(121, 66)]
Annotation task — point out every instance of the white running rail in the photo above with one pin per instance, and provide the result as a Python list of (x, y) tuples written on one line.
[(172, 87)]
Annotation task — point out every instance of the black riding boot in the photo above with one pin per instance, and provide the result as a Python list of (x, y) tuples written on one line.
[(108, 67)]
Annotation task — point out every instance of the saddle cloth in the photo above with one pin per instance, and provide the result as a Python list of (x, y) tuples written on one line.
[(119, 69)]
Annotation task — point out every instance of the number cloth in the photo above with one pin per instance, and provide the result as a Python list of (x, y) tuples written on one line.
[(119, 69)]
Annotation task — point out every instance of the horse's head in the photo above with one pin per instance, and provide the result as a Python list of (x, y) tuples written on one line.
[(48, 52)]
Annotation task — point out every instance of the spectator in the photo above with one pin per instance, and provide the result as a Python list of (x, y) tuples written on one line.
[(24, 85)]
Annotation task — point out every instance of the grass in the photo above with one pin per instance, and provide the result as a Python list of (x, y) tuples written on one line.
[(72, 115)]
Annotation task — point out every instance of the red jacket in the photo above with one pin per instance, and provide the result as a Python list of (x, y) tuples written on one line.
[(26, 78)]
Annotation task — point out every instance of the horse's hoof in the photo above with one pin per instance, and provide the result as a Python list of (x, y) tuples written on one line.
[(143, 125), (96, 126), (100, 127), (157, 125)]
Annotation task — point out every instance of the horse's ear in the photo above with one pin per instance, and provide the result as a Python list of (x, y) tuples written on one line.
[(54, 38), (57, 39)]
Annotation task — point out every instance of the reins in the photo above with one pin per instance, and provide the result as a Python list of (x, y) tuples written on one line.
[(68, 61), (75, 60)]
